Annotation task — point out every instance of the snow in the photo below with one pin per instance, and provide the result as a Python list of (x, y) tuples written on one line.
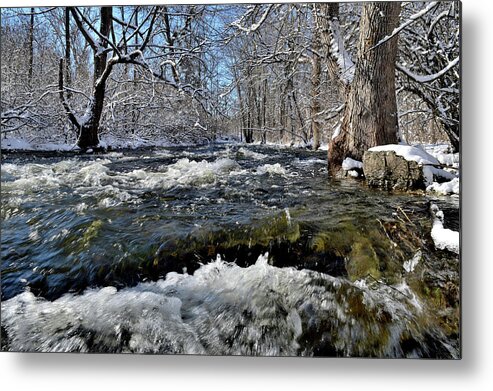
[(450, 187), (105, 142), (323, 147), (428, 78), (350, 164), (408, 22), (444, 238), (337, 132), (442, 154), (342, 57), (133, 142), (15, 143), (409, 153), (352, 167), (24, 145), (254, 27)]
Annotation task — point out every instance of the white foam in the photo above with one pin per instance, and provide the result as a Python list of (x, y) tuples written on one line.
[(95, 178), (271, 169), (220, 309), (413, 262), (254, 155)]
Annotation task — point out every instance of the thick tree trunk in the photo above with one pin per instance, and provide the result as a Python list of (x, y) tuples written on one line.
[(370, 116)]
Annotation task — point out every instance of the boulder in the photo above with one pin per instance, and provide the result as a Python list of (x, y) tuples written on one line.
[(402, 167), (387, 170)]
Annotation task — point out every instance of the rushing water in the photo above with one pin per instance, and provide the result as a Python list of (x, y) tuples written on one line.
[(220, 250)]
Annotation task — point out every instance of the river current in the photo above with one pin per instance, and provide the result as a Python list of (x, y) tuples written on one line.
[(221, 249)]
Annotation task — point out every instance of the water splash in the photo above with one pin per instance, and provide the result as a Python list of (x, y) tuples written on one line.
[(224, 309)]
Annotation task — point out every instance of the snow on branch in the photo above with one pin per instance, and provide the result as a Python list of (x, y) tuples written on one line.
[(338, 50), (407, 23), (254, 27), (427, 78)]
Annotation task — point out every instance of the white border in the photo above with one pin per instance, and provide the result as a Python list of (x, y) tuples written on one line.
[(473, 372)]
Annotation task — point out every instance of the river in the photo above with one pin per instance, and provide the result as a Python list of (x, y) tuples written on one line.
[(221, 250)]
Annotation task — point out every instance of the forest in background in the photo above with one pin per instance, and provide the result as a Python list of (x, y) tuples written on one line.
[(195, 73)]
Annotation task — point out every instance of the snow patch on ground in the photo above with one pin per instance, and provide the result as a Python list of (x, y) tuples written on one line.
[(20, 144), (450, 187), (350, 164), (444, 238), (132, 143), (106, 141), (442, 154)]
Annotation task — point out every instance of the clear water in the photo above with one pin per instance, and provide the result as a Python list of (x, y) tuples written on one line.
[(219, 250)]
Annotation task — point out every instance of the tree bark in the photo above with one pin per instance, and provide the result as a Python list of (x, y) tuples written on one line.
[(315, 104), (31, 49), (370, 116)]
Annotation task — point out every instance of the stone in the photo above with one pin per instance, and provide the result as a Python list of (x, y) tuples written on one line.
[(387, 170)]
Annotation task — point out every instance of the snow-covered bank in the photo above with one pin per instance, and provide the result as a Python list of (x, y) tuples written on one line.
[(444, 238), (19, 144), (445, 188), (442, 153), (107, 142)]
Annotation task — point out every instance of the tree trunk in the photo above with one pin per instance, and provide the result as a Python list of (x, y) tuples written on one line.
[(315, 105), (370, 116), (68, 63), (89, 128), (31, 49)]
